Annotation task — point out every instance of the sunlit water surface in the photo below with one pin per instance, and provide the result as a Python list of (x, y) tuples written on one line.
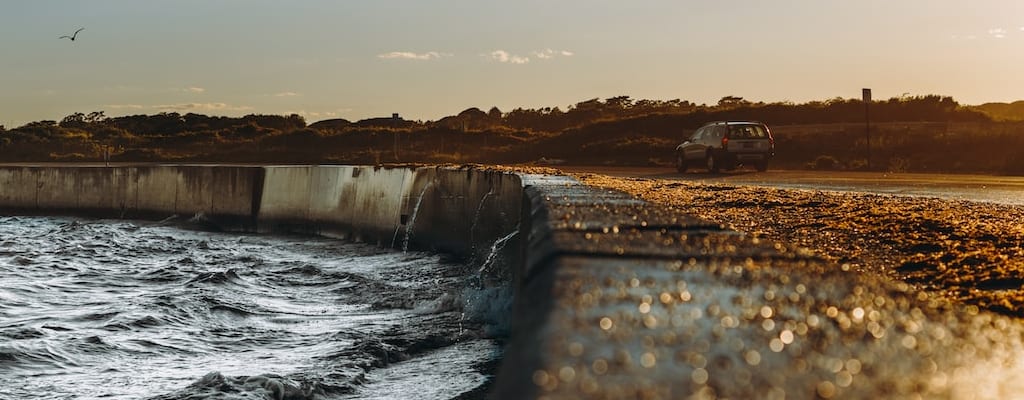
[(119, 310)]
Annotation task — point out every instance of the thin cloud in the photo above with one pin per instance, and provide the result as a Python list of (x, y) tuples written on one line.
[(408, 55), (286, 94), (997, 33), (180, 107), (190, 89), (125, 106), (503, 56), (122, 88), (318, 114), (201, 107), (548, 54)]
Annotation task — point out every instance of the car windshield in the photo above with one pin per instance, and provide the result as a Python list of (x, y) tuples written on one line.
[(747, 132)]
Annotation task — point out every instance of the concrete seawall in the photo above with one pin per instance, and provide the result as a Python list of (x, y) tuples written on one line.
[(615, 297), (459, 211)]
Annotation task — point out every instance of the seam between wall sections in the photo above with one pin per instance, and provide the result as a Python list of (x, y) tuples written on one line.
[(309, 197), (137, 178), (257, 196), (213, 193), (177, 182), (36, 197)]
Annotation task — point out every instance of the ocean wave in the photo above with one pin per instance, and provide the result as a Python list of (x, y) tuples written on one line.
[(117, 309), (215, 277), (215, 385)]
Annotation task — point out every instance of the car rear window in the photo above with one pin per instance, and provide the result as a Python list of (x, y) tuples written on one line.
[(747, 132)]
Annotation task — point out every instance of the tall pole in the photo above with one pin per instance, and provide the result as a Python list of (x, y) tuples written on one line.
[(866, 94)]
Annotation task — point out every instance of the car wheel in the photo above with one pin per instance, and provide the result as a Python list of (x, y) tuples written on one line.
[(761, 166), (680, 163), (712, 163)]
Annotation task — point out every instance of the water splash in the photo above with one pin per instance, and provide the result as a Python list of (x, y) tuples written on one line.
[(495, 248), (412, 218), (476, 217)]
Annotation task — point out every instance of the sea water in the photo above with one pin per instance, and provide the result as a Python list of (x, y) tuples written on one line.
[(126, 309)]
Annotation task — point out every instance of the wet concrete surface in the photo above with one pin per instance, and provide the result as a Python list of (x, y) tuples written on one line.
[(626, 299)]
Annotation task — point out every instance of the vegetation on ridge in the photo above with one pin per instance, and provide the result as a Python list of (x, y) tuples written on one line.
[(919, 133)]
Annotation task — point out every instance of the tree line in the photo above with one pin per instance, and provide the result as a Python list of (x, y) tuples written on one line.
[(618, 129)]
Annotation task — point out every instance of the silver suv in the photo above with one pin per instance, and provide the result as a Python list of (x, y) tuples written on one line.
[(726, 145)]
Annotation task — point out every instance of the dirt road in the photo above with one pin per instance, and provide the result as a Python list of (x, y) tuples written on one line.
[(985, 188)]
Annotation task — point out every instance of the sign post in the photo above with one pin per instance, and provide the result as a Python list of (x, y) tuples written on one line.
[(866, 95)]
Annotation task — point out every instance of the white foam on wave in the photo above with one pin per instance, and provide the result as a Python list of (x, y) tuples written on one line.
[(418, 378)]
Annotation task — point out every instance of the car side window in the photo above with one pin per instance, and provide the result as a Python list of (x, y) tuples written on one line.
[(718, 133), (696, 135)]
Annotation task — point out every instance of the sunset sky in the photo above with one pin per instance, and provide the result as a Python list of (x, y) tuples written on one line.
[(428, 59)]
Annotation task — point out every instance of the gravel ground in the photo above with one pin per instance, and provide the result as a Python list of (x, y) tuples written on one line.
[(968, 252)]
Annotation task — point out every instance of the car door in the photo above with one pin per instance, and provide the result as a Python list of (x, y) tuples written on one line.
[(694, 148), (714, 139)]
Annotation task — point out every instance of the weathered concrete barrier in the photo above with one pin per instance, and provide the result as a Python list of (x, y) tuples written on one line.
[(624, 299), (463, 211), (227, 195)]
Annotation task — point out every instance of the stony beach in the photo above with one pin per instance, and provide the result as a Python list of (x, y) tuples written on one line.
[(967, 252)]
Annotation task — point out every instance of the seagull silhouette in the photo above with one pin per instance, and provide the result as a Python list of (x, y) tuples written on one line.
[(72, 37)]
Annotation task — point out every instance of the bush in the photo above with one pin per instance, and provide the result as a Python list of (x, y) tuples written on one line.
[(824, 163), (140, 155), (68, 157), (858, 165), (899, 164)]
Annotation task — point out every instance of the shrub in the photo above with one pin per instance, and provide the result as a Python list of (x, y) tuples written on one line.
[(858, 165), (68, 157), (899, 164), (824, 163)]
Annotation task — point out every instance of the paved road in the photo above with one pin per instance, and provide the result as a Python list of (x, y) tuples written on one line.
[(985, 188)]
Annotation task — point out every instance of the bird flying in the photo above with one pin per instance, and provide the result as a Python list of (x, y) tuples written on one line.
[(72, 37)]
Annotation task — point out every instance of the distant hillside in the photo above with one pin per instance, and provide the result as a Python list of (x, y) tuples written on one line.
[(329, 124), (1002, 111)]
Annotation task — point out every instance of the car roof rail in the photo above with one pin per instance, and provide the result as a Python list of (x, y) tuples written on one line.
[(732, 122)]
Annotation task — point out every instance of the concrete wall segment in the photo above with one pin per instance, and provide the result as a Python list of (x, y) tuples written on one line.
[(106, 191), (285, 200), (195, 191), (57, 188), (234, 201), (326, 187), (471, 211), (377, 204), (18, 188), (156, 190)]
